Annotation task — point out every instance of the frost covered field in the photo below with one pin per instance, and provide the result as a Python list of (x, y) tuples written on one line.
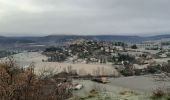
[(26, 58)]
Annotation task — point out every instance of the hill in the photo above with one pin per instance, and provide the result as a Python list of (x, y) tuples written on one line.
[(66, 38)]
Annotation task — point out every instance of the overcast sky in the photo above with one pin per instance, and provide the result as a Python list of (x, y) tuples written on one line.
[(125, 17)]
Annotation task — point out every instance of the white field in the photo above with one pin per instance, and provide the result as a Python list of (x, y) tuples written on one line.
[(82, 69), (161, 60), (25, 59)]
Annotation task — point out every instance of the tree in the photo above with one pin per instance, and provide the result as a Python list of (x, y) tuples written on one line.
[(134, 46)]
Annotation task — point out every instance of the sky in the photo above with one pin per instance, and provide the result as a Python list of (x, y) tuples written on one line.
[(84, 17)]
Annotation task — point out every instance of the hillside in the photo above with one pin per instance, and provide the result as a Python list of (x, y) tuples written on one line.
[(66, 38)]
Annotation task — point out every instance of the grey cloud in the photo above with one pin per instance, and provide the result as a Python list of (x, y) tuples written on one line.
[(85, 17)]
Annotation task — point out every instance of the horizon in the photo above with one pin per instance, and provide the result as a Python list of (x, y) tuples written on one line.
[(31, 35)]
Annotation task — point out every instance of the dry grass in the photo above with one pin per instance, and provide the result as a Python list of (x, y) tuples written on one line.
[(82, 69)]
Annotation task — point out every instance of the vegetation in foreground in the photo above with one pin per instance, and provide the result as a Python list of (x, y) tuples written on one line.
[(22, 84)]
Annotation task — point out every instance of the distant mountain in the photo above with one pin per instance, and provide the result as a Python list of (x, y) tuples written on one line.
[(159, 37), (106, 38), (65, 38), (94, 37), (12, 40)]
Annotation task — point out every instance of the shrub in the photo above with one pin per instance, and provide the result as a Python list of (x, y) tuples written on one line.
[(166, 67), (17, 83), (128, 70), (158, 93), (124, 57), (134, 47), (153, 69)]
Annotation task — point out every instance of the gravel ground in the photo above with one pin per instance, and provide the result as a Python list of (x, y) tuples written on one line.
[(109, 92), (145, 83)]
